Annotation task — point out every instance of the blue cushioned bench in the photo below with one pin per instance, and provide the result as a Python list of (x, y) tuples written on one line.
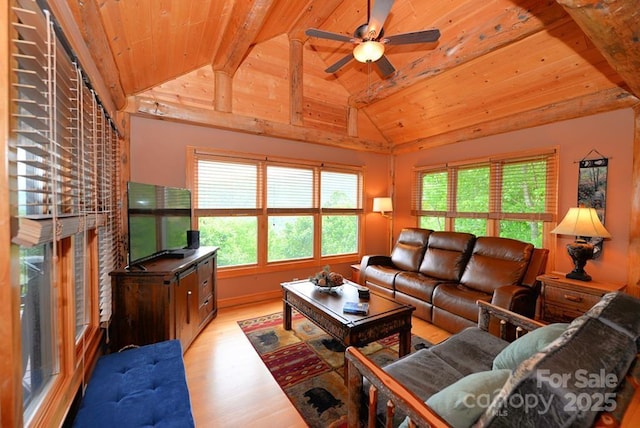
[(140, 387)]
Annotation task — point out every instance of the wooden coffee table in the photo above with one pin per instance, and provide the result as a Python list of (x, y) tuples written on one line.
[(385, 317)]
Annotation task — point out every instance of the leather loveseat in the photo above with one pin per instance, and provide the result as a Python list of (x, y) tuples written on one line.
[(443, 274)]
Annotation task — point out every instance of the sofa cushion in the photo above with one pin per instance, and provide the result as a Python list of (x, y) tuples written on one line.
[(471, 350), (427, 371), (462, 403), (459, 300), (409, 249), (416, 285), (589, 360), (450, 322), (619, 311), (496, 262), (140, 387), (527, 345), (382, 276), (446, 255), (423, 373)]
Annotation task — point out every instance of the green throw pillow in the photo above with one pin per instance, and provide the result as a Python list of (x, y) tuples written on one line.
[(527, 345), (462, 403)]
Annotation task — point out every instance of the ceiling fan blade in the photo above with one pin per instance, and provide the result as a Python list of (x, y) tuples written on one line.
[(425, 36), (314, 32), (385, 67), (379, 14), (339, 64)]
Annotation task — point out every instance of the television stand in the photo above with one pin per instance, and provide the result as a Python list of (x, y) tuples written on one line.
[(180, 253), (172, 299)]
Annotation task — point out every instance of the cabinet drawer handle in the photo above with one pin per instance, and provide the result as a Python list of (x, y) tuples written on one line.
[(571, 298), (205, 282), (189, 306)]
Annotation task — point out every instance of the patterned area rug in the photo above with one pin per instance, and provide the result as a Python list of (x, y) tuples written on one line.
[(308, 364)]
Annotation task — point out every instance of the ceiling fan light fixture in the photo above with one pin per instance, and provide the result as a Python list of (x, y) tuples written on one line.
[(368, 51)]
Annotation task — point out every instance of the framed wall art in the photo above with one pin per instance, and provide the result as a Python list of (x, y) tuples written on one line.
[(592, 190)]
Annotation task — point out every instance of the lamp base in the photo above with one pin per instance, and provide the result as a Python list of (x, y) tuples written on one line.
[(580, 251), (580, 276)]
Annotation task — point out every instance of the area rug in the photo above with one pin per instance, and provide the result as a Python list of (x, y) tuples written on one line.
[(308, 364)]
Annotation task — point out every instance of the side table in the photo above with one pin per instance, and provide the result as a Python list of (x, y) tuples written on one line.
[(563, 299), (355, 273)]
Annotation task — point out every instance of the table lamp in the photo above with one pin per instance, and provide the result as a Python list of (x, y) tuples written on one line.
[(582, 223)]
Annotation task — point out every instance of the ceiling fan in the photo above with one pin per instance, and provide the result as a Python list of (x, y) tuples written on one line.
[(369, 39)]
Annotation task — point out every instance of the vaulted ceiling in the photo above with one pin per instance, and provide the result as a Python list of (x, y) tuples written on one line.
[(247, 65)]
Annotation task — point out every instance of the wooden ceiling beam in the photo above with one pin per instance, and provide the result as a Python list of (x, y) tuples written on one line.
[(597, 102), (83, 28), (246, 21), (163, 110), (614, 28), (509, 26), (312, 16)]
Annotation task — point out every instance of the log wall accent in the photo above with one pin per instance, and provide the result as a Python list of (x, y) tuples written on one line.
[(246, 20), (296, 81), (151, 107), (613, 26), (223, 91)]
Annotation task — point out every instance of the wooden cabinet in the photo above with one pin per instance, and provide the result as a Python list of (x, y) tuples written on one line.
[(168, 299), (563, 299)]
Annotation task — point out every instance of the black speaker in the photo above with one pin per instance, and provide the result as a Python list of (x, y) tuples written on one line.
[(193, 239)]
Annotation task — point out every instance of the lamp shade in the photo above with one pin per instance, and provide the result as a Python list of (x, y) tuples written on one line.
[(382, 205), (581, 222), (369, 51)]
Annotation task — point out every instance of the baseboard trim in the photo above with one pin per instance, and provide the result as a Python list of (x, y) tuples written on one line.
[(250, 298)]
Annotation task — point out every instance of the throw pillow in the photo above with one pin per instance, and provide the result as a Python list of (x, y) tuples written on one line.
[(527, 345), (462, 402)]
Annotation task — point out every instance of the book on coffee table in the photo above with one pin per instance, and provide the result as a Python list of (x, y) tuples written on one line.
[(359, 308)]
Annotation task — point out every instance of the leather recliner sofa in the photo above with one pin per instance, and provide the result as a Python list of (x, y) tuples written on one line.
[(443, 274)]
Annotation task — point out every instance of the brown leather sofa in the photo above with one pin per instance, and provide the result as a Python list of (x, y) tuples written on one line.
[(443, 274)]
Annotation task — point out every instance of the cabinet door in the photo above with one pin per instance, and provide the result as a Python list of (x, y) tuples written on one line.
[(187, 316), (141, 314)]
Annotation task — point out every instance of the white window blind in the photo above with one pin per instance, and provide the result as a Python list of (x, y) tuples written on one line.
[(340, 190), (227, 185), (61, 134), (505, 196), (261, 211), (289, 188)]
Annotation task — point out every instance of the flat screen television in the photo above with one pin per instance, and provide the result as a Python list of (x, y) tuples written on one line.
[(159, 218)]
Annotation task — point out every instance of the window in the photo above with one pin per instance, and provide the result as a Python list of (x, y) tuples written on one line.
[(62, 145), (510, 196), (339, 197), (40, 356), (267, 211)]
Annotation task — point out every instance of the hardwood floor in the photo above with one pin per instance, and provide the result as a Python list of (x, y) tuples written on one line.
[(229, 384)]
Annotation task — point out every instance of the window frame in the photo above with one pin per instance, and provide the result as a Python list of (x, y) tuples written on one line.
[(262, 212), (494, 214)]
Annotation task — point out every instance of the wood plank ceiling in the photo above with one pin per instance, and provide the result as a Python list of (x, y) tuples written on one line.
[(246, 65)]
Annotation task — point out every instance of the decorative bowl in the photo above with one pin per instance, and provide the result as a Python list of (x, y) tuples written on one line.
[(326, 280)]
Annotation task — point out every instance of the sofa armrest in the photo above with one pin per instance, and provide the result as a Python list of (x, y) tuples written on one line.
[(360, 366), (375, 259), (371, 260), (537, 266), (516, 298), (488, 310)]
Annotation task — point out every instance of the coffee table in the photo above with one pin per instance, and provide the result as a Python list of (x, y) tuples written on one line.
[(385, 317)]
